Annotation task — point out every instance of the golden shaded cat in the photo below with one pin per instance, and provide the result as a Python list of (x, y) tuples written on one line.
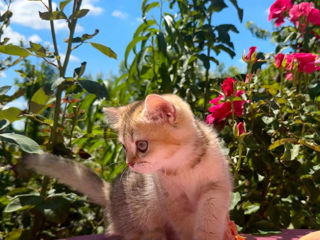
[(178, 185)]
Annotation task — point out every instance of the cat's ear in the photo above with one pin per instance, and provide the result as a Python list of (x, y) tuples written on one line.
[(156, 108), (113, 115)]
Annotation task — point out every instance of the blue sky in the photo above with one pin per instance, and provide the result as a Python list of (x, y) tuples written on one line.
[(117, 21)]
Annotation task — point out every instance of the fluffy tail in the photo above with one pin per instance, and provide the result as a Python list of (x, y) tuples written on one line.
[(71, 173)]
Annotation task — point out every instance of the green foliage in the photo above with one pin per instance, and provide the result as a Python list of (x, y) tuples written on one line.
[(275, 163), (169, 54)]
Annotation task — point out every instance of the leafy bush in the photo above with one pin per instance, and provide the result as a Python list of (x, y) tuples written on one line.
[(268, 117)]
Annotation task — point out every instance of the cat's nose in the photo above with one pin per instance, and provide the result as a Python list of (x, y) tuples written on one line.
[(131, 164)]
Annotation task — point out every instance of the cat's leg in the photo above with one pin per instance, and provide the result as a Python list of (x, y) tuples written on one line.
[(211, 214)]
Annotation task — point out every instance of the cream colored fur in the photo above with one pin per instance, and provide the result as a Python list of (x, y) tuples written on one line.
[(179, 189)]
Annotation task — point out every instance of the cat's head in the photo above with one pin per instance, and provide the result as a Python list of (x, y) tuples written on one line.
[(153, 131)]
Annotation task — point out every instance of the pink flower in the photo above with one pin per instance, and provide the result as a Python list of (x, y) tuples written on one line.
[(251, 56), (314, 16), (228, 86), (241, 129), (222, 110), (306, 62), (278, 10), (279, 59), (300, 10)]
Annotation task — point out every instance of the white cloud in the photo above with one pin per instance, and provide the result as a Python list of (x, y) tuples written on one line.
[(71, 59), (3, 74), (15, 37), (119, 14), (89, 4), (26, 13), (35, 38)]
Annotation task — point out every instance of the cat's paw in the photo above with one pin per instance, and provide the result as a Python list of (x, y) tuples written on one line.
[(153, 236)]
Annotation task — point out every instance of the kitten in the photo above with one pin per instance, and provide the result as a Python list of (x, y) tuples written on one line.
[(178, 185)]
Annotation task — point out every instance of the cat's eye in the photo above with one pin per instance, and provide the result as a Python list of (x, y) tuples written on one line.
[(142, 146)]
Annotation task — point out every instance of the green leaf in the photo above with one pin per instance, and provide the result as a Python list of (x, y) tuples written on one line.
[(236, 198), (105, 50), (78, 72), (39, 101), (162, 44), (148, 7), (14, 50), (205, 60), (57, 82), (89, 36), (3, 124), (93, 87), (56, 15), (218, 5), (132, 45), (267, 120), (10, 114), (4, 89), (38, 49), (239, 10), (26, 144), (252, 208), (14, 234), (63, 4), (294, 151), (79, 14), (55, 209), (23, 202)]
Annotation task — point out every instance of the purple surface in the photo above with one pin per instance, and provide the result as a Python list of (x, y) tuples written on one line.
[(294, 234), (285, 235)]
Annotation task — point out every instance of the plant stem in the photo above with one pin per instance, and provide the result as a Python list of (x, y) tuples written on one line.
[(240, 148), (54, 40), (62, 69), (206, 90)]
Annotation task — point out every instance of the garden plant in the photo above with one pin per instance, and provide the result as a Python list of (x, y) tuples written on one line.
[(267, 117)]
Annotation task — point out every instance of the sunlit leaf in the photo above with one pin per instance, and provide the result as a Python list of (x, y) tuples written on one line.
[(26, 144), (10, 114), (4, 89), (39, 101), (16, 233), (81, 13), (63, 4), (104, 49), (14, 50), (56, 15)]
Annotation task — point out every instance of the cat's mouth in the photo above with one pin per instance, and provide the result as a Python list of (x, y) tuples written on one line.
[(141, 167), (137, 164)]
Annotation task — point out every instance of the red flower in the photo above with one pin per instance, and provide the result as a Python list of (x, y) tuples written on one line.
[(241, 129), (278, 11), (251, 56), (314, 16), (223, 110), (228, 86), (279, 59), (306, 62)]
